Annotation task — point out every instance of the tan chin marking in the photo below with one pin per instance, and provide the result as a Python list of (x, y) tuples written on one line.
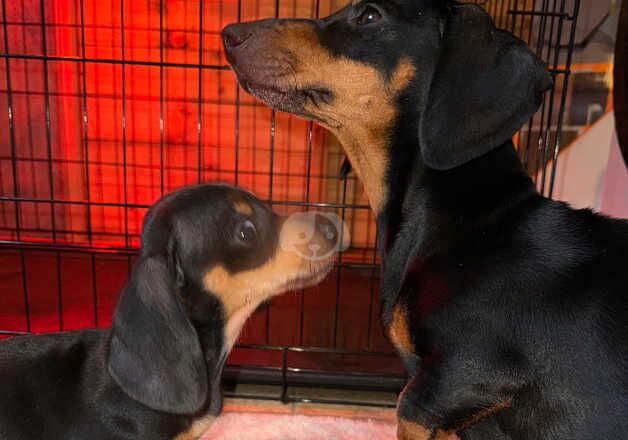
[(239, 289), (363, 110), (197, 429), (240, 293)]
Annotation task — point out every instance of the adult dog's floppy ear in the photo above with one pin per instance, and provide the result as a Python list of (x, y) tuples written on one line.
[(487, 84), (155, 355)]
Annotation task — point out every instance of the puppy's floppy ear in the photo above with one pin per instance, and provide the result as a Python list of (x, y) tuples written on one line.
[(486, 85), (155, 355)]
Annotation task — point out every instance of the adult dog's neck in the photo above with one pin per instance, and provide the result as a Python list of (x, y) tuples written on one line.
[(429, 213), (421, 212), (441, 206)]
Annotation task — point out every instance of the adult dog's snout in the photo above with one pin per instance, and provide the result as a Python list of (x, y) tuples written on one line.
[(235, 35), (245, 44), (264, 56), (250, 38)]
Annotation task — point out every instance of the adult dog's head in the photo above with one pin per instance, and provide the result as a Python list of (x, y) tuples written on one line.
[(209, 256), (378, 69)]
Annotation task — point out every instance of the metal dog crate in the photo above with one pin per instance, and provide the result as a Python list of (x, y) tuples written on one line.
[(105, 105)]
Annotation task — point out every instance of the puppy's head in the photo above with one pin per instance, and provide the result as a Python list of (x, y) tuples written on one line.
[(435, 68), (209, 256)]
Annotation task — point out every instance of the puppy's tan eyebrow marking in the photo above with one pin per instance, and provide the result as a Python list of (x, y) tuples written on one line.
[(242, 207)]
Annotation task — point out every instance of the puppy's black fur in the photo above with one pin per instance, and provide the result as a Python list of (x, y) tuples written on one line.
[(508, 309), (156, 371)]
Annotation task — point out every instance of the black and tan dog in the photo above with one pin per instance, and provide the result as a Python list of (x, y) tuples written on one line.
[(509, 310), (209, 256)]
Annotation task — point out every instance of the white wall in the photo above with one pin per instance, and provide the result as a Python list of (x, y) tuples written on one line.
[(591, 172)]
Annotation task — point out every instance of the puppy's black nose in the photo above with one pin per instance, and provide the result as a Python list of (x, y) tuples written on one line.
[(235, 34)]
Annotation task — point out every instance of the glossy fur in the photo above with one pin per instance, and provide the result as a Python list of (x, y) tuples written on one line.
[(155, 374), (509, 310)]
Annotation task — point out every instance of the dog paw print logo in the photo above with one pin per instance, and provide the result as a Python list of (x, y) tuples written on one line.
[(314, 235)]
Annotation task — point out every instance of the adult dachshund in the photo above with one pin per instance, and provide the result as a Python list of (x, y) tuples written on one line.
[(509, 310)]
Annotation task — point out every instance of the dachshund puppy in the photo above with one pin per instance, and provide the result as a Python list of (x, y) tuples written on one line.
[(209, 256)]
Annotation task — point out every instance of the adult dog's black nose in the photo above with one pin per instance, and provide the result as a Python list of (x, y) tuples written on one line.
[(236, 34)]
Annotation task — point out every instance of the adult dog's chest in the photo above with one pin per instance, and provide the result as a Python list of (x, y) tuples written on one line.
[(421, 308)]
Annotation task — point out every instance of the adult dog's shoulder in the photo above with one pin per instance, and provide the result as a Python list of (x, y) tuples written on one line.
[(574, 243)]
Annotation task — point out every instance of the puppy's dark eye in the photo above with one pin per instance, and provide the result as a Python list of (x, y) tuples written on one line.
[(247, 232), (369, 15)]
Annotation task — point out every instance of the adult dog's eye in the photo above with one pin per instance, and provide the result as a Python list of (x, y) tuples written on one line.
[(247, 231), (369, 15)]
